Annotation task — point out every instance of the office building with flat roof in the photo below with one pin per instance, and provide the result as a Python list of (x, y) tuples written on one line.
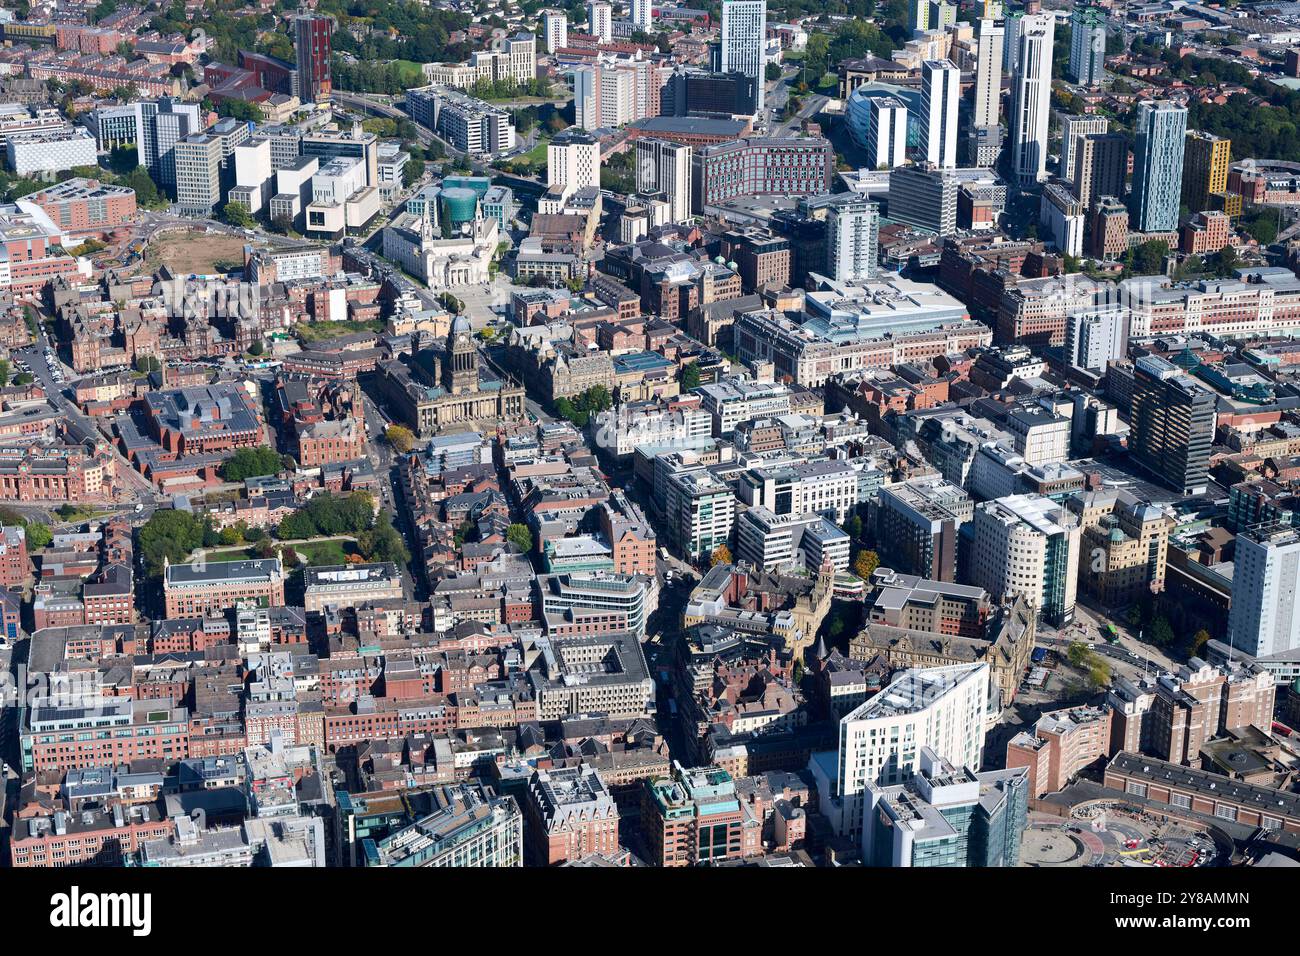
[(922, 519), (633, 597), (350, 585), (197, 160), (469, 825), (1027, 545), (947, 816), (880, 742), (1172, 422)]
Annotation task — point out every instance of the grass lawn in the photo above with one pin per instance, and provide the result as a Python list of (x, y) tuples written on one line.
[(312, 552), (231, 554), (315, 331), (412, 72), (78, 513), (317, 553), (535, 156)]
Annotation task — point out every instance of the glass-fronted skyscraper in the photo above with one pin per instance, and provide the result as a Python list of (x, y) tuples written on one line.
[(948, 816), (1161, 131)]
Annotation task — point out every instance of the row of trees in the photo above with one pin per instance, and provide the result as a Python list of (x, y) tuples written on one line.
[(510, 89), (171, 535), (370, 76), (618, 173), (1268, 129), (330, 515), (383, 542)]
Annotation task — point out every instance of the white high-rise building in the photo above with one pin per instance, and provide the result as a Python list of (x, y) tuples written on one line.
[(827, 488), (1031, 98), (1028, 545), (940, 94), (253, 175), (988, 74), (1096, 336), (253, 162), (744, 36), (600, 21), (641, 13), (573, 161), (1264, 618), (556, 24), (617, 89), (886, 132), (665, 167), (612, 92), (942, 708), (700, 511), (1060, 218), (852, 240)]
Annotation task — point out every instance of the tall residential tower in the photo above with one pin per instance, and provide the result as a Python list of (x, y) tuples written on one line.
[(1031, 98), (1161, 133), (1087, 45), (312, 46), (744, 34), (940, 93)]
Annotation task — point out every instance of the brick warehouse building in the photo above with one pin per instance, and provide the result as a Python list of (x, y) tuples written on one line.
[(758, 167), (571, 814), (95, 838), (695, 817), (124, 730)]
